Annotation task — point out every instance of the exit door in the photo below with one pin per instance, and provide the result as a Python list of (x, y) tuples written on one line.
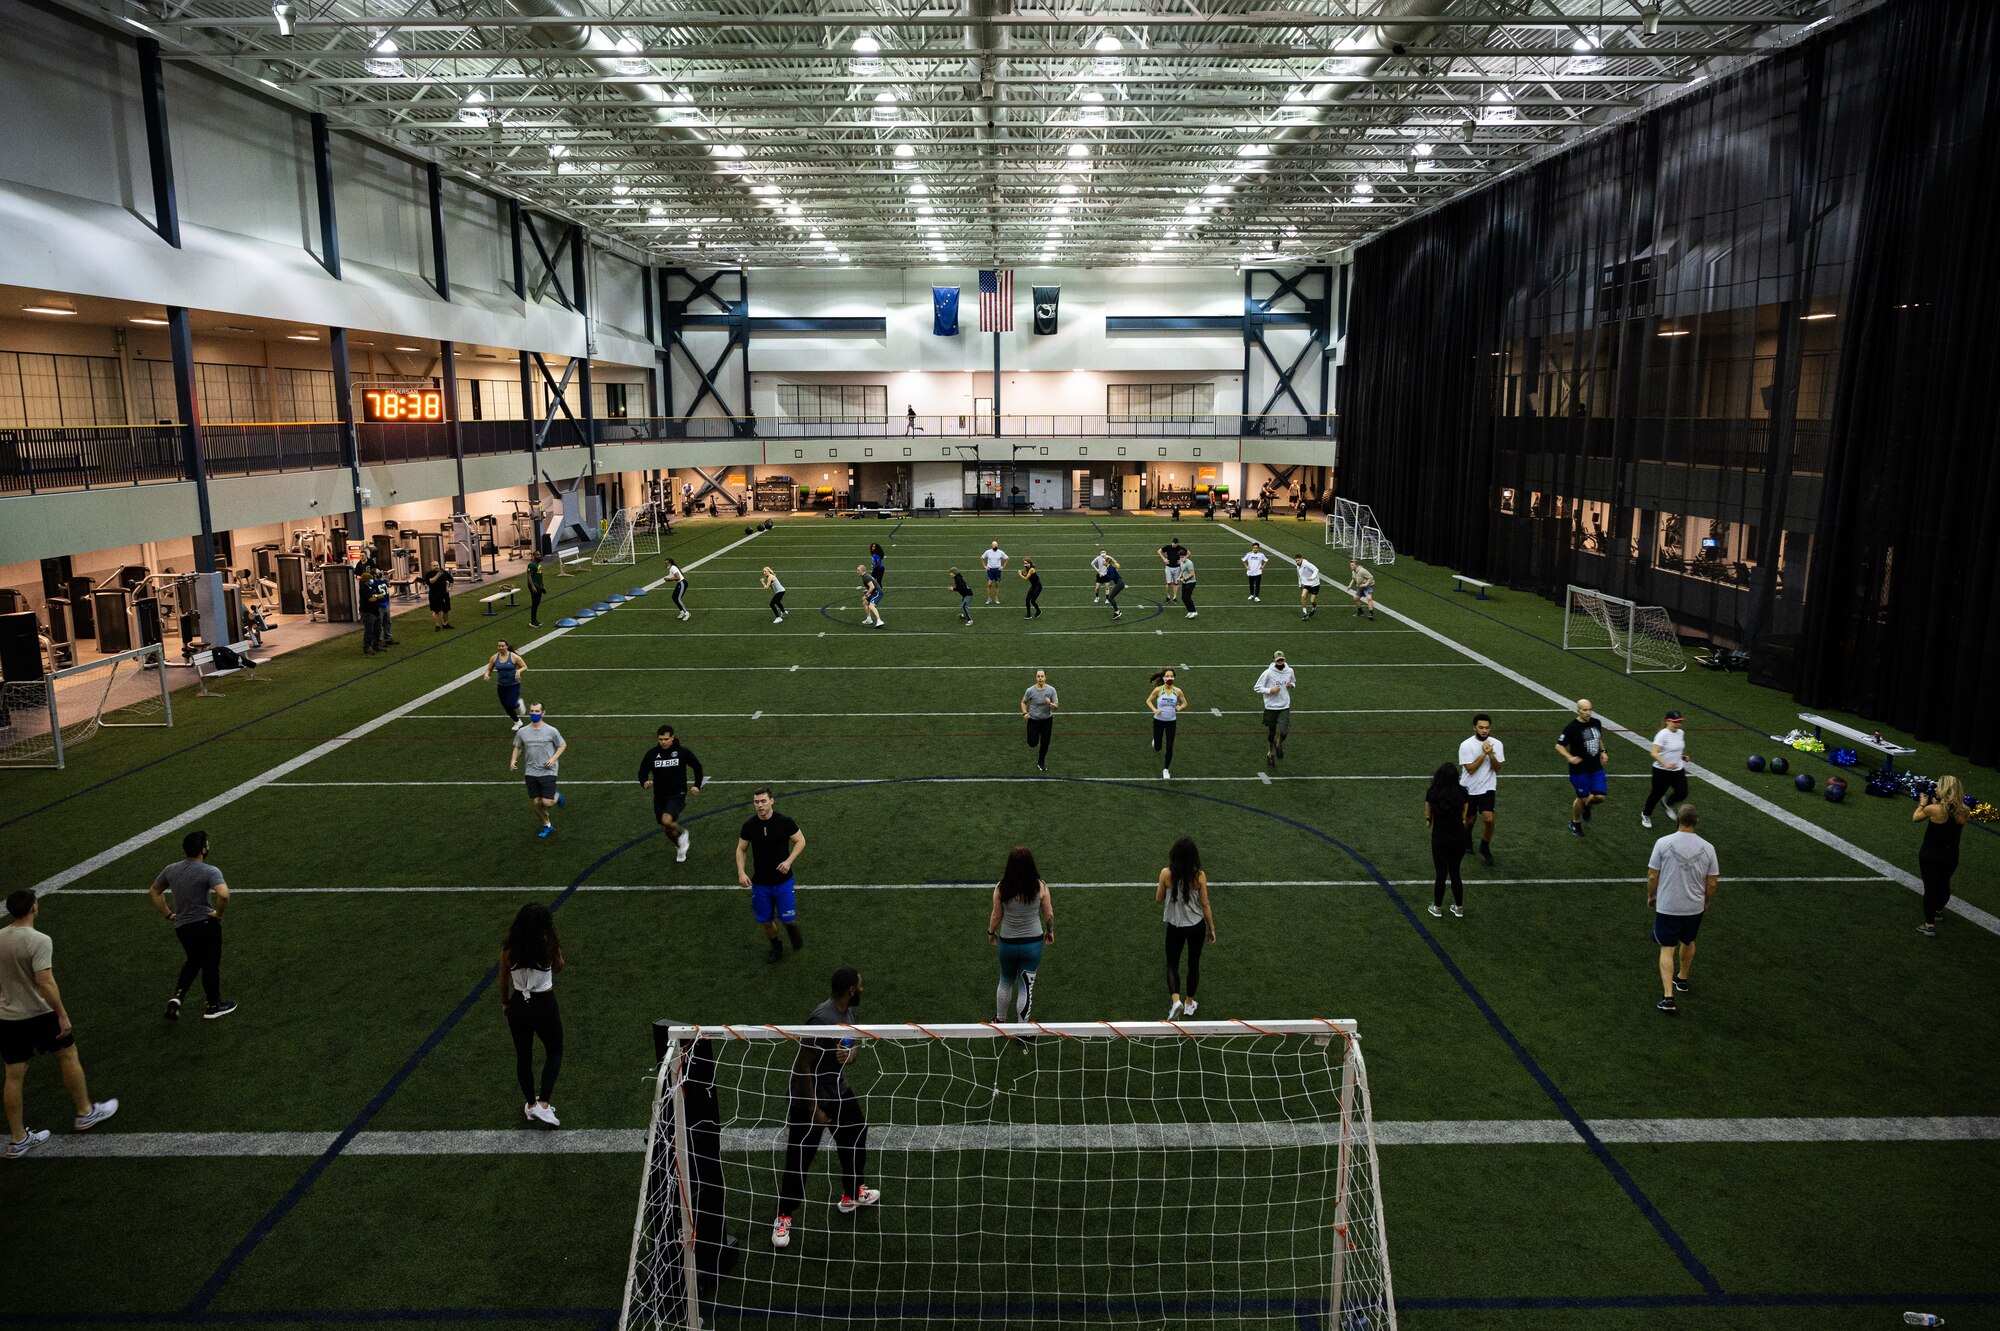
[(1045, 489)]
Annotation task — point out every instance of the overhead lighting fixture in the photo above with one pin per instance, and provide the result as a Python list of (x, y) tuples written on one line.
[(867, 59), (1649, 20), (281, 13), (47, 309), (1364, 187), (1191, 210), (1107, 62), (657, 210), (1674, 332), (905, 151), (1092, 112), (726, 151), (1421, 150), (558, 150), (1215, 189), (148, 320), (473, 110), (919, 189), (629, 48), (1066, 189), (301, 337), (621, 189), (764, 191), (409, 348), (925, 210), (1816, 316), (885, 112), (383, 61), (1079, 150)]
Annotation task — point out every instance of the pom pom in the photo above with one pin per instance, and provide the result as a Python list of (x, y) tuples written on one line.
[(1843, 757)]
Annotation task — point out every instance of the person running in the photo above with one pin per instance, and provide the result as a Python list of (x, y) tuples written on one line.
[(506, 666), (1581, 745), (530, 958), (538, 587), (438, 583), (964, 592), (680, 581), (1480, 759), (910, 420), (777, 590), (34, 1021), (1114, 587), (1171, 555), (1308, 587), (1022, 923), (1166, 702), (181, 893), (1275, 687), (1253, 563), (1034, 581), (877, 563), (995, 560), (1187, 585), (1038, 709), (1669, 769), (1448, 813), (1944, 815), (1361, 586), (871, 597), (1190, 921), (1681, 878), (672, 773), (775, 844), (819, 1099), (544, 745), (1100, 569)]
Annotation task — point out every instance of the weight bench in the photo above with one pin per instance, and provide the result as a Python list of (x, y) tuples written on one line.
[(504, 593), (1890, 752), (205, 668), (1461, 582)]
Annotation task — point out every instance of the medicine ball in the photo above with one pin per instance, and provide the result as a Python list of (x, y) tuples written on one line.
[(1804, 781), (1756, 763), (1836, 790), (1780, 766)]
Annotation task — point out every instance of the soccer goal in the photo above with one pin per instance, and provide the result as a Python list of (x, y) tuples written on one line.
[(40, 718), (1642, 636), (631, 533), (1065, 1175), (1341, 522)]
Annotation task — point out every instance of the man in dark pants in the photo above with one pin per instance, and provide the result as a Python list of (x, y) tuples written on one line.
[(182, 894), (537, 589), (371, 622), (821, 1098), (665, 771)]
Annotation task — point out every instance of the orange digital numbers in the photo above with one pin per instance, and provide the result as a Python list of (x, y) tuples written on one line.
[(379, 405)]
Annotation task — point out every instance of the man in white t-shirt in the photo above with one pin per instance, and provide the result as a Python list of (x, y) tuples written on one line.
[(1669, 769), (1253, 565), (1308, 587), (995, 560), (1275, 687), (1479, 762), (1681, 879), (1100, 572)]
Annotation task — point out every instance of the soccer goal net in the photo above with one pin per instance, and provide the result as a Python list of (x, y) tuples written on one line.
[(1351, 526), (631, 533), (1641, 636), (41, 718), (1065, 1176), (1341, 524)]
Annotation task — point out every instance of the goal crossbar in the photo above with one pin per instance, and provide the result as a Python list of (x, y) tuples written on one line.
[(1016, 1030), (1643, 637), (40, 718)]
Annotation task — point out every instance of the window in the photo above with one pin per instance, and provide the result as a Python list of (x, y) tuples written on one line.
[(834, 404), (614, 402), (1136, 404)]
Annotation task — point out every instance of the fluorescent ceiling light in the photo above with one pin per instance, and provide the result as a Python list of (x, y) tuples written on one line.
[(1816, 317), (1675, 332), (905, 151), (46, 309), (1066, 189), (147, 320), (558, 150), (474, 110), (918, 188), (301, 337), (1079, 150), (409, 348)]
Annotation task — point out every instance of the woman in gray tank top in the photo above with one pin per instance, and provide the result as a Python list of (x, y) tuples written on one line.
[(1183, 891), (1022, 922)]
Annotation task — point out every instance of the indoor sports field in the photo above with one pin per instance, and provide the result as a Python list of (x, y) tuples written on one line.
[(1801, 1147)]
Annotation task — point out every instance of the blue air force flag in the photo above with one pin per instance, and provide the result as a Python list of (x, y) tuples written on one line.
[(944, 311)]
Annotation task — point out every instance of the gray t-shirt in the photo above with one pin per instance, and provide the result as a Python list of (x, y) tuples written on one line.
[(1686, 862), (23, 951), (1041, 701), (1021, 921), (188, 882), (1183, 906), (538, 745)]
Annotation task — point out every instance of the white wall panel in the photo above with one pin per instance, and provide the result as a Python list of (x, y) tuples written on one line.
[(383, 207), (70, 117), (477, 243), (240, 163), (617, 293)]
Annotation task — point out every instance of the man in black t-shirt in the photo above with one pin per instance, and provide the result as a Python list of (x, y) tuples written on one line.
[(665, 771), (1171, 554), (819, 1098), (775, 844), (1581, 745)]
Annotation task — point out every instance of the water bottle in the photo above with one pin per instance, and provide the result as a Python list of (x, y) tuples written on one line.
[(1922, 1319)]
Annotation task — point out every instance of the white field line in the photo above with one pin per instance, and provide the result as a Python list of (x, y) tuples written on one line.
[(106, 1145), (1136, 778), (111, 855), (491, 889), (1010, 712), (857, 635), (1042, 665), (1866, 858)]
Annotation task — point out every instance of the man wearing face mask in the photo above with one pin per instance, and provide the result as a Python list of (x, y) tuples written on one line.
[(543, 744), (820, 1098)]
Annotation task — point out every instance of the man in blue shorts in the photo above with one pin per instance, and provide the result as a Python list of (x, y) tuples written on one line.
[(775, 844), (995, 559), (871, 596), (1681, 878), (1581, 745)]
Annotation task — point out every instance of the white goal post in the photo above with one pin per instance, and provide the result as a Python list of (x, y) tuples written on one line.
[(1068, 1175), (630, 534), (1641, 636), (1352, 527), (40, 718)]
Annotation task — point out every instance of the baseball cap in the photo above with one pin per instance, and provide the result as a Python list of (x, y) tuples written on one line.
[(1673, 716), (1277, 656)]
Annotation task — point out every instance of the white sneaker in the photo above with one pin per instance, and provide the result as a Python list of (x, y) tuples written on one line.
[(779, 619), (880, 624), (968, 623), (869, 1196), (1645, 820), (517, 723), (1435, 911), (1173, 1009), (528, 1111), (1457, 911), (1192, 613), (1258, 599), (681, 849), (547, 1114), (100, 1111), (15, 1150), (781, 1232), (684, 614), (1165, 775), (1187, 1008)]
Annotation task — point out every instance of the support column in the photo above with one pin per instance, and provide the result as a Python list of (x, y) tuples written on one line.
[(527, 376), (996, 381), (329, 224), (580, 297), (159, 146), (350, 438), (447, 352), (187, 400)]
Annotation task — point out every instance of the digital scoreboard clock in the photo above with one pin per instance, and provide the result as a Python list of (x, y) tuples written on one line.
[(385, 405)]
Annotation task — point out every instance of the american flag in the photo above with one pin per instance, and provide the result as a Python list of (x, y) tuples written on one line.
[(996, 300)]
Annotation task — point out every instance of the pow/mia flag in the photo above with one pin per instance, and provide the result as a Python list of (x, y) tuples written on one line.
[(1046, 299)]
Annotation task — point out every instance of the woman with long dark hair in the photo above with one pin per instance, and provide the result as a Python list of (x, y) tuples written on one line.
[(1166, 702), (1022, 923), (1450, 817), (877, 564), (1190, 921), (529, 960), (1034, 581)]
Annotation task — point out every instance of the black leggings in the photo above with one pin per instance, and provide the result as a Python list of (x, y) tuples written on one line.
[(1672, 785), (778, 605), (1256, 584), (202, 941), (1163, 740), (530, 1015), (1034, 604), (535, 606), (680, 594), (1192, 937), (1187, 596), (850, 1138), (1039, 732), (1937, 886), (1111, 597), (1446, 860)]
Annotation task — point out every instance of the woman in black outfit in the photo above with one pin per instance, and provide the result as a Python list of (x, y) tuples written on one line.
[(1034, 581), (439, 583), (1449, 816), (876, 565), (529, 960), (1944, 815)]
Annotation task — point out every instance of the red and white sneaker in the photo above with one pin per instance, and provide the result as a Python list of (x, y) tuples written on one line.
[(869, 1196), (781, 1232)]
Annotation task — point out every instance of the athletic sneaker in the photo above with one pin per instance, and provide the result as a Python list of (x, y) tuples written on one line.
[(1187, 1009), (560, 801), (681, 849), (1258, 599), (528, 1111), (1435, 911), (849, 1205), (216, 1010), (1668, 1006), (1576, 829), (1270, 760), (684, 614), (1927, 930), (781, 1232), (879, 624), (173, 1009), (545, 1114), (15, 1150), (100, 1111), (776, 954), (968, 621), (1166, 775), (1682, 984), (1586, 811), (1457, 911), (1645, 820), (1041, 767), (1486, 852), (1192, 613), (777, 619), (547, 829), (1173, 1009), (1118, 614), (518, 723)]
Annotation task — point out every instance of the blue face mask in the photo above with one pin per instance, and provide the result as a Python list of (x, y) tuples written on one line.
[(534, 716)]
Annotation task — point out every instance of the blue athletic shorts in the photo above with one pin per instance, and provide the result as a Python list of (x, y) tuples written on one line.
[(1588, 783), (1366, 593), (765, 900), (1669, 930), (872, 597), (993, 575)]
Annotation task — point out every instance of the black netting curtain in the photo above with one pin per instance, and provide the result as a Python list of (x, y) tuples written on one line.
[(1725, 358)]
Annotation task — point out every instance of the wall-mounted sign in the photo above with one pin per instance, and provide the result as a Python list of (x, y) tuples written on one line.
[(382, 405)]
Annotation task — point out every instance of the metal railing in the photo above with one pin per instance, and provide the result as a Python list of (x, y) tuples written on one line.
[(261, 447), (1231, 425), (34, 459)]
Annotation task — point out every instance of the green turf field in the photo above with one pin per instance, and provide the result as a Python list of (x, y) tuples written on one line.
[(1809, 1144)]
